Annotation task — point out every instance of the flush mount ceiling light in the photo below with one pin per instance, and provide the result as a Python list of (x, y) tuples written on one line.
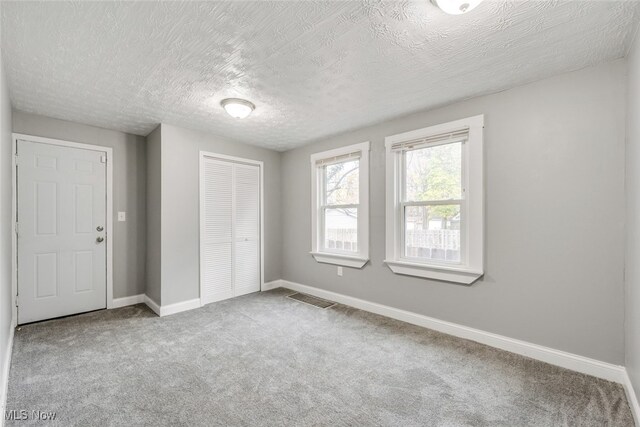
[(238, 108), (456, 7)]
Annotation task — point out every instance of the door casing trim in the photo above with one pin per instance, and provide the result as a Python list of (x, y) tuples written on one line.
[(14, 208)]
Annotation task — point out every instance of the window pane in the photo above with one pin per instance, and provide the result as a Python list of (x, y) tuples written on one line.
[(342, 182), (341, 229), (434, 173), (432, 232)]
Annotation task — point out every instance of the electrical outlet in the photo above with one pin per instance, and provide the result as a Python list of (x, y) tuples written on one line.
[(122, 216), (339, 271)]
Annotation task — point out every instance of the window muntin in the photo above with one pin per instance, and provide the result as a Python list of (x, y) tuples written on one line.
[(431, 209)]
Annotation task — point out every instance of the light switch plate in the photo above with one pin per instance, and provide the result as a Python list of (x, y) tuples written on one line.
[(339, 271), (122, 216)]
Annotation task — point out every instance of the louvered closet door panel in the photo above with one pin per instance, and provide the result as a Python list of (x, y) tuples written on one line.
[(247, 231), (217, 245), (247, 267), (247, 183)]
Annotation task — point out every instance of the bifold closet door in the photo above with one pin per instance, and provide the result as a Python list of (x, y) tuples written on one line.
[(230, 230)]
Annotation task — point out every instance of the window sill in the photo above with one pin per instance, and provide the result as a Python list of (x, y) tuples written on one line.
[(338, 259), (438, 272)]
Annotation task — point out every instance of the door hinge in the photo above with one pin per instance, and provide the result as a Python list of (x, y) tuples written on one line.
[(15, 158), (17, 228), (17, 296), (103, 159)]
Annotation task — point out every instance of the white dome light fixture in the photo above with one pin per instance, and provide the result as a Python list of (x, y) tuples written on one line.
[(456, 7), (238, 108)]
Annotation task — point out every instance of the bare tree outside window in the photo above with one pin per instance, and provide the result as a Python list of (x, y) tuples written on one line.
[(341, 199)]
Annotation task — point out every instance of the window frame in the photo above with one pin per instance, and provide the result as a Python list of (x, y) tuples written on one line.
[(471, 265), (318, 206)]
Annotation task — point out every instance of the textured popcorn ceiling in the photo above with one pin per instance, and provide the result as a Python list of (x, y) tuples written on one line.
[(313, 69)]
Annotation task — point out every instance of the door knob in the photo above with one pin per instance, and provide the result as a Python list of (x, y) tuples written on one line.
[(99, 228), (100, 239)]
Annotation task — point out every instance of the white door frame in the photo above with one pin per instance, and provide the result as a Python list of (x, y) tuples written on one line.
[(260, 164), (14, 208)]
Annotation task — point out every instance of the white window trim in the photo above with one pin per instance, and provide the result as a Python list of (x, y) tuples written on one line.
[(357, 260), (473, 181)]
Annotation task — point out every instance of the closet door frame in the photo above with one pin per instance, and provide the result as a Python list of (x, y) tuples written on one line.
[(216, 156)]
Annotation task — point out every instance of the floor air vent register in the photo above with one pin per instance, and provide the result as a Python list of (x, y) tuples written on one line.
[(311, 300)]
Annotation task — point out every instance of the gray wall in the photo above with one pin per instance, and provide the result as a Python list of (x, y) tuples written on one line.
[(180, 208), (632, 267), (154, 231), (554, 156), (5, 223), (129, 181)]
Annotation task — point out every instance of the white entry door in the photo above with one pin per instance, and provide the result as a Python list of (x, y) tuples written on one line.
[(230, 246), (61, 194)]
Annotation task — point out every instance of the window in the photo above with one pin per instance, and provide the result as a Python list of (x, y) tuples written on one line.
[(340, 205), (435, 201)]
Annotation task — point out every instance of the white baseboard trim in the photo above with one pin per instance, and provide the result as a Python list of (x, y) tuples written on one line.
[(152, 305), (166, 310), (560, 358), (272, 285), (125, 301), (4, 380), (632, 398)]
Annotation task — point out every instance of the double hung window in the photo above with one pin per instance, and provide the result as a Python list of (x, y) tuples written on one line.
[(340, 211), (435, 201)]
